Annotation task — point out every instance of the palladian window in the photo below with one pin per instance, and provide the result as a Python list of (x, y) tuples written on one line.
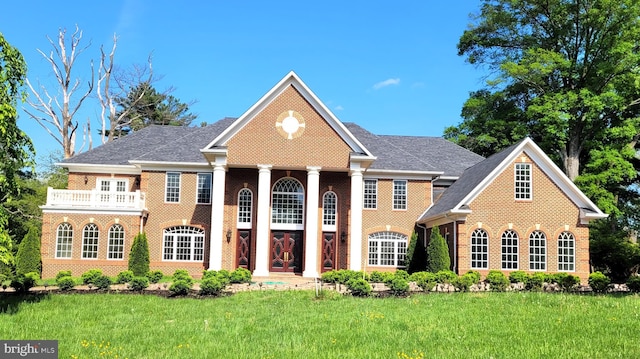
[(387, 249), (183, 243)]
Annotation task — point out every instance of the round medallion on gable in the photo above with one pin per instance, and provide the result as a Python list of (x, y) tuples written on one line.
[(290, 124)]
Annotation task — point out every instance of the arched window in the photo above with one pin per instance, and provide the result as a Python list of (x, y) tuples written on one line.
[(90, 236), (566, 252), (116, 242), (245, 205), (479, 249), (64, 240), (509, 250), (329, 211), (183, 243), (387, 249), (537, 251), (287, 204)]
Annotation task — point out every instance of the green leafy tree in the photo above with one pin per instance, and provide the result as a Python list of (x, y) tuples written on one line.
[(139, 256), (16, 149), (28, 258), (416, 258), (437, 252)]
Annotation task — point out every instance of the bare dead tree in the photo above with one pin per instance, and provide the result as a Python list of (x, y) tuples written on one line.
[(53, 114), (112, 120)]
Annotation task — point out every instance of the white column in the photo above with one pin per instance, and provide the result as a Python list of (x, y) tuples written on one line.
[(217, 216), (262, 223), (355, 237), (311, 227)]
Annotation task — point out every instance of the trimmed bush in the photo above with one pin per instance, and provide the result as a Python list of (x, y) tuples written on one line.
[(475, 275), (465, 281), (224, 275), (139, 255), (211, 286), (399, 286), (416, 258), (155, 276), (598, 282), (65, 283), (181, 286), (183, 275), (446, 276), (437, 252), (103, 282), (566, 281), (63, 273), (23, 282), (633, 283), (240, 275), (139, 283), (359, 287), (425, 280), (330, 276), (90, 276), (28, 258), (401, 273), (381, 277), (124, 277), (518, 277), (497, 280), (535, 281)]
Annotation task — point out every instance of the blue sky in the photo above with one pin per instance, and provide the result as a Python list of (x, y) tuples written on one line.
[(391, 67)]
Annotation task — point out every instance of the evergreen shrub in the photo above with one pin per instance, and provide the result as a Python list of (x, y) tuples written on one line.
[(103, 282), (139, 283), (437, 252), (124, 277), (23, 282), (497, 280), (139, 256), (446, 276), (535, 281), (425, 280), (465, 281), (65, 283), (399, 286), (182, 274), (28, 258), (90, 276), (155, 276), (63, 273), (240, 275), (518, 276), (181, 286), (633, 283), (599, 282), (211, 286), (359, 287)]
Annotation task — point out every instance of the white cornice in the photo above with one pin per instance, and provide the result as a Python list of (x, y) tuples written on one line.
[(171, 166), (393, 174), (97, 168)]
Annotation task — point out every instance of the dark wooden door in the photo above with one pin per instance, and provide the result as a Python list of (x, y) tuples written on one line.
[(243, 249), (286, 251), (328, 251)]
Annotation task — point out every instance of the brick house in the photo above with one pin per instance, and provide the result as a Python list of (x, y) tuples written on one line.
[(289, 188)]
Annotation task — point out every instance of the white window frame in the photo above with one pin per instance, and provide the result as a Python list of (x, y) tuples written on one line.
[(287, 207), (523, 184), (538, 251), (387, 249), (329, 211), (172, 237), (200, 189), (90, 241), (370, 193), (167, 187), (64, 241), (479, 249), (112, 189), (115, 245), (509, 256), (400, 197), (245, 208), (566, 252)]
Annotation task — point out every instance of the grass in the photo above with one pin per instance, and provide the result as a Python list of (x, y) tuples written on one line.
[(279, 324)]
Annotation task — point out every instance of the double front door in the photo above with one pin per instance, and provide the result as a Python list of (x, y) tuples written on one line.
[(286, 251)]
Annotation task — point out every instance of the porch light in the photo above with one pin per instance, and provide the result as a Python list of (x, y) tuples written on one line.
[(86, 179), (228, 236), (343, 237)]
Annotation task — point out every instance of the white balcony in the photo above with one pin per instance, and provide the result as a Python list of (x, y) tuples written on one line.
[(59, 199)]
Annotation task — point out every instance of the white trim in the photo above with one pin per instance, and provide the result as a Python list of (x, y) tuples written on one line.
[(198, 187), (96, 168), (406, 195), (406, 175), (172, 166), (330, 227), (166, 186), (244, 225), (364, 187)]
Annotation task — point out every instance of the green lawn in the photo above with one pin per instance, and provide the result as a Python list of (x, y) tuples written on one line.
[(294, 324)]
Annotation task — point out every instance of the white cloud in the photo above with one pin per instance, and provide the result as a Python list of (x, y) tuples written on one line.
[(385, 83), (338, 108)]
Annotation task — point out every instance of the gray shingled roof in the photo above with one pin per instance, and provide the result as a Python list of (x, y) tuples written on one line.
[(469, 180), (183, 144)]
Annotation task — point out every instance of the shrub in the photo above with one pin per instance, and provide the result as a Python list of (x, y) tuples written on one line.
[(425, 280), (534, 282), (182, 274), (181, 286), (475, 275), (330, 276), (28, 258), (63, 273), (598, 282), (155, 276), (23, 282), (124, 277), (211, 286), (399, 286), (224, 275), (518, 277), (437, 252), (139, 283), (65, 283), (497, 280), (633, 283), (465, 281), (90, 276), (240, 275), (401, 273), (359, 287), (446, 276), (345, 275), (566, 281), (416, 258), (139, 255), (103, 282), (378, 277)]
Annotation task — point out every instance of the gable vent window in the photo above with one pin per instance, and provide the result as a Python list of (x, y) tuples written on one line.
[(523, 181)]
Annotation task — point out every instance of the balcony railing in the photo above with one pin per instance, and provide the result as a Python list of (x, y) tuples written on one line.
[(66, 198)]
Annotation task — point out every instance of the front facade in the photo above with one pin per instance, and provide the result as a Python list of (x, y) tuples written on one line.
[(288, 188)]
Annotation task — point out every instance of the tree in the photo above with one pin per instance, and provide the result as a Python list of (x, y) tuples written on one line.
[(16, 149), (437, 252), (56, 115), (139, 256), (416, 258), (28, 258)]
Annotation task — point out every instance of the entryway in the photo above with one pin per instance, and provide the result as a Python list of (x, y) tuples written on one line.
[(286, 251)]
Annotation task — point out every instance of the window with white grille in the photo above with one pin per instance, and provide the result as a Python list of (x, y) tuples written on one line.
[(399, 194), (329, 211), (115, 248), (64, 240), (183, 243), (538, 251), (172, 187), (287, 204), (204, 188), (370, 194), (245, 205), (387, 249), (479, 249), (509, 250), (523, 181), (90, 236), (566, 252)]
